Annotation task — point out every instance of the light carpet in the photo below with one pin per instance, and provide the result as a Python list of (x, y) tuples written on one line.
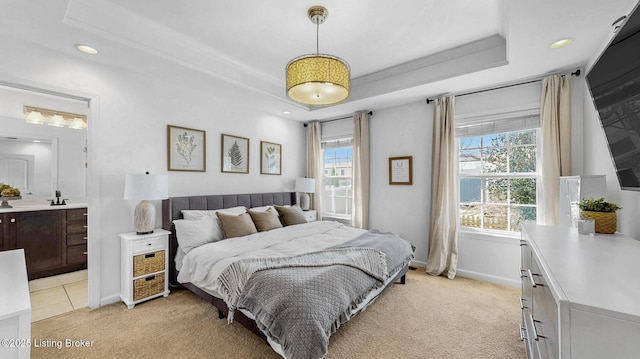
[(429, 317)]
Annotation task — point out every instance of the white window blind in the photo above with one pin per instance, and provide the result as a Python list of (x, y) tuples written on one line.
[(497, 123)]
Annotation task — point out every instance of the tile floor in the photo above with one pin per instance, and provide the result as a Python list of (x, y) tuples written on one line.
[(59, 294)]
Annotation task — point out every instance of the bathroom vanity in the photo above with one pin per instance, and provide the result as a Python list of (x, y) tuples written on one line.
[(54, 238)]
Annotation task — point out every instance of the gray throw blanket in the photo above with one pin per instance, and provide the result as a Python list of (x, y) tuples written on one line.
[(299, 301)]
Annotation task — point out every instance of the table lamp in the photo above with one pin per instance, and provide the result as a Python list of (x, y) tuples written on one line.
[(305, 186), (145, 187)]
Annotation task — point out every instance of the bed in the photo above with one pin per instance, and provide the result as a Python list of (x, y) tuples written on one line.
[(361, 265)]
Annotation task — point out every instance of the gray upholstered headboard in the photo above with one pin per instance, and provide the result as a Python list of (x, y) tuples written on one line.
[(172, 209)]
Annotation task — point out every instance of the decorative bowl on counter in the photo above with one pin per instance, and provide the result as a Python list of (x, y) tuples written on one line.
[(5, 203)]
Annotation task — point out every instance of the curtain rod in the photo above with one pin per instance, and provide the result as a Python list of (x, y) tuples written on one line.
[(341, 118), (576, 73)]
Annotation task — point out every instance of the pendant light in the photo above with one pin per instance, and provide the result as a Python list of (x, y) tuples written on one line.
[(318, 79)]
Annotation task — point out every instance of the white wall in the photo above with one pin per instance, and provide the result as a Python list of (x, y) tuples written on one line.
[(130, 135), (403, 209), (597, 160)]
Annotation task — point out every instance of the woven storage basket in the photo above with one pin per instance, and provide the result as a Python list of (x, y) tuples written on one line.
[(606, 222), (148, 286), (148, 263)]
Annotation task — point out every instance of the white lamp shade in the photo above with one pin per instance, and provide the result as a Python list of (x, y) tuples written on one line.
[(146, 187), (306, 185)]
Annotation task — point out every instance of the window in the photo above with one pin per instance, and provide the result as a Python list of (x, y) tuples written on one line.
[(336, 190), (497, 174)]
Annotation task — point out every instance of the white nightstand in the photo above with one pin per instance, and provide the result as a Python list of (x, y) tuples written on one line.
[(311, 215), (144, 260)]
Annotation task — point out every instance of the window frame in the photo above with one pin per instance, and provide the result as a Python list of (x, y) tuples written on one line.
[(348, 143), (507, 175)]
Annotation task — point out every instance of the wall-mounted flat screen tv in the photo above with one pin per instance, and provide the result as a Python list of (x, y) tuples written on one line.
[(614, 81)]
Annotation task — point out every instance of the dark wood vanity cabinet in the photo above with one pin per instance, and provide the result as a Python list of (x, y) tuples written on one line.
[(54, 241)]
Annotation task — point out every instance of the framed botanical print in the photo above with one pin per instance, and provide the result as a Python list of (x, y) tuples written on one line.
[(235, 154), (186, 149), (270, 158)]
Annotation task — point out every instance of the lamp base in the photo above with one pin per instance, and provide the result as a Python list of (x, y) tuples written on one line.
[(144, 218), (304, 201)]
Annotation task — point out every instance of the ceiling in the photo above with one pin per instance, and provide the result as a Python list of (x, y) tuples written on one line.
[(399, 52)]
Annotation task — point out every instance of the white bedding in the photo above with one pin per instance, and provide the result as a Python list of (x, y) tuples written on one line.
[(202, 265)]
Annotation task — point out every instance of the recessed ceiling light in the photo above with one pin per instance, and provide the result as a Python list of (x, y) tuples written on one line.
[(86, 49), (286, 112), (561, 43)]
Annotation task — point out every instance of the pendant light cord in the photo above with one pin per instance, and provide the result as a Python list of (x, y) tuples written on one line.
[(317, 37)]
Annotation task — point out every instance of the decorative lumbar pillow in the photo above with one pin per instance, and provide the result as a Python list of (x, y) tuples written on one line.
[(193, 214), (290, 215), (192, 234), (265, 221), (236, 226), (261, 209)]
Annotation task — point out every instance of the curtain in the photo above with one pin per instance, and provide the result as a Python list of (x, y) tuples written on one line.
[(555, 118), (314, 164), (442, 258), (360, 176)]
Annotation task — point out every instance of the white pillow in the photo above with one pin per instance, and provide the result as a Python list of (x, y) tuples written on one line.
[(261, 209), (193, 214), (192, 234)]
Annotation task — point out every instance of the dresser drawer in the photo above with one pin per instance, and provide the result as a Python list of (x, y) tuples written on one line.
[(149, 245), (148, 286), (77, 227), (77, 254), (545, 314), (79, 214), (74, 239), (148, 263)]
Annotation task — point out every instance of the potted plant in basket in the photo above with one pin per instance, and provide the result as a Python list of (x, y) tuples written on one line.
[(602, 212)]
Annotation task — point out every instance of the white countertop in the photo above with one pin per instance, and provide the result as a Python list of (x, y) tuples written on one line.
[(598, 271), (40, 207), (14, 296)]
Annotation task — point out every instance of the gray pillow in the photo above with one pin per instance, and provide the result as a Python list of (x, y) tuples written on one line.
[(236, 226), (265, 221), (291, 215)]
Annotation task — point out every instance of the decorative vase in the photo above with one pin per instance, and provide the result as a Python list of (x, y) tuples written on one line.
[(606, 222)]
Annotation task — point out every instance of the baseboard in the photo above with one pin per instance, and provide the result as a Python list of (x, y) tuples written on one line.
[(420, 264), (488, 278)]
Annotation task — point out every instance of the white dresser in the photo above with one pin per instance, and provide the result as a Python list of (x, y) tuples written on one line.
[(580, 294), (15, 306)]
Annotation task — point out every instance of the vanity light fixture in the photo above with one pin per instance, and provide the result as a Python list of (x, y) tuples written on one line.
[(36, 115), (86, 49), (318, 79)]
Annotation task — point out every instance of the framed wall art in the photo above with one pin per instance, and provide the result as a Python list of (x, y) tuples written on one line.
[(186, 149), (400, 170), (270, 158), (235, 154)]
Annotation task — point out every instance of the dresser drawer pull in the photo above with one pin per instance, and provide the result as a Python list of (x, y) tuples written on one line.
[(85, 214), (85, 226), (523, 243), (13, 220), (522, 306), (536, 336), (150, 255), (523, 337), (151, 277), (85, 238), (533, 280), (85, 253)]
